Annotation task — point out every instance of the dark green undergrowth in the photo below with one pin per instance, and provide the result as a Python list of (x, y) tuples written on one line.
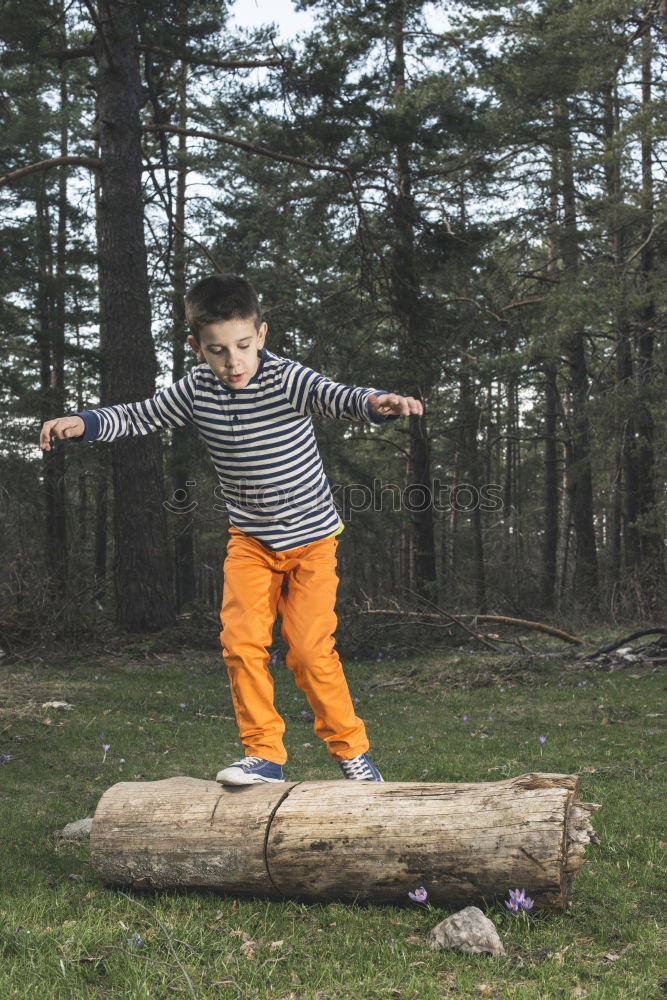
[(461, 717)]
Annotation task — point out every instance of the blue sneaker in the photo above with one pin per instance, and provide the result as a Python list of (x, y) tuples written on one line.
[(250, 771), (360, 768)]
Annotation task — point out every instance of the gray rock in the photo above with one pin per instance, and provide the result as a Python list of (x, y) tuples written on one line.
[(468, 930), (78, 830)]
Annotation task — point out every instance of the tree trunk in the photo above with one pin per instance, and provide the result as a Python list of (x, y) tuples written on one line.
[(623, 542), (471, 460), (142, 569), (181, 446), (50, 342), (515, 574), (649, 524), (551, 492), (580, 477), (326, 840), (552, 413), (101, 520), (407, 306)]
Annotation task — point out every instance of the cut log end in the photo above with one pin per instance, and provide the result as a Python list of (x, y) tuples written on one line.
[(579, 833)]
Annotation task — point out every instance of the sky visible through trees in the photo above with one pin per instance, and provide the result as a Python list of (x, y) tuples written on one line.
[(460, 201)]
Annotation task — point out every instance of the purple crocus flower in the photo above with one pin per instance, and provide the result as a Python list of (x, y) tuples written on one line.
[(543, 740), (518, 899), (419, 895), (5, 759)]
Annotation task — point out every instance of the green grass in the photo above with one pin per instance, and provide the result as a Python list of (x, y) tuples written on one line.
[(63, 935)]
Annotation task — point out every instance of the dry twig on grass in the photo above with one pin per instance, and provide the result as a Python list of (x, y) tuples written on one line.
[(170, 945)]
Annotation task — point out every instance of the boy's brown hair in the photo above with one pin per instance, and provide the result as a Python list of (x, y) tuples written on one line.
[(221, 297)]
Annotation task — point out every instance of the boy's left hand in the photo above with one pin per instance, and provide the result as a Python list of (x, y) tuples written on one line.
[(391, 403)]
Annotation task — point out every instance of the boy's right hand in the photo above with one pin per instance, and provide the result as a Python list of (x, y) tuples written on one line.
[(60, 428)]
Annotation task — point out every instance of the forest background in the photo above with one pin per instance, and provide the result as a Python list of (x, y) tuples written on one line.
[(459, 201)]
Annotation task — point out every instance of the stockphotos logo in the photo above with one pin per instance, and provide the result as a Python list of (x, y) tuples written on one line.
[(461, 498), (349, 498)]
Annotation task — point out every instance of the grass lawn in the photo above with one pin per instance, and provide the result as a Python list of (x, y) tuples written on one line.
[(461, 717)]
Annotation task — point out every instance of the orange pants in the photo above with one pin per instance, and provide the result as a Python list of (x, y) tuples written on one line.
[(300, 585)]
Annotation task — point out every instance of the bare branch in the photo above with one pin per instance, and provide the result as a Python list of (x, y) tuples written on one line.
[(452, 619), (75, 161), (62, 55), (648, 239), (536, 626), (499, 619), (249, 147), (622, 642), (522, 302), (179, 229), (473, 302), (195, 60), (389, 444)]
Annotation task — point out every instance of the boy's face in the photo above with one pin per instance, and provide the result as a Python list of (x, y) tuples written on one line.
[(230, 349)]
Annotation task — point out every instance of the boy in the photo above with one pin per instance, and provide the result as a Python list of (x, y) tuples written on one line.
[(253, 410)]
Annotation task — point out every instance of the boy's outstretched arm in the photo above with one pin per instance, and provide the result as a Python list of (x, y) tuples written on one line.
[(169, 408), (311, 393), (391, 404), (60, 428)]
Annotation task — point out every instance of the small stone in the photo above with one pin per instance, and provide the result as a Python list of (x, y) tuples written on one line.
[(468, 930), (78, 830)]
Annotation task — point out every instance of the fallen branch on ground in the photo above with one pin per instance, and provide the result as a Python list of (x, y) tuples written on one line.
[(500, 619), (622, 642)]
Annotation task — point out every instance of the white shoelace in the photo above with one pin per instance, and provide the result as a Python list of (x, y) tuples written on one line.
[(357, 769)]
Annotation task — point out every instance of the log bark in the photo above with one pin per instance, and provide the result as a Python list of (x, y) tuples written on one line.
[(345, 840)]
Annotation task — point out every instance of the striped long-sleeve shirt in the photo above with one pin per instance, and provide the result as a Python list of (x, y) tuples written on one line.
[(260, 439)]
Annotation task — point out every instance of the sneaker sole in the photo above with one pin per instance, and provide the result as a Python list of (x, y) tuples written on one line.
[(225, 778), (367, 780)]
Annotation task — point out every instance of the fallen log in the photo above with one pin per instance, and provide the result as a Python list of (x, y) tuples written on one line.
[(347, 840), (535, 626)]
